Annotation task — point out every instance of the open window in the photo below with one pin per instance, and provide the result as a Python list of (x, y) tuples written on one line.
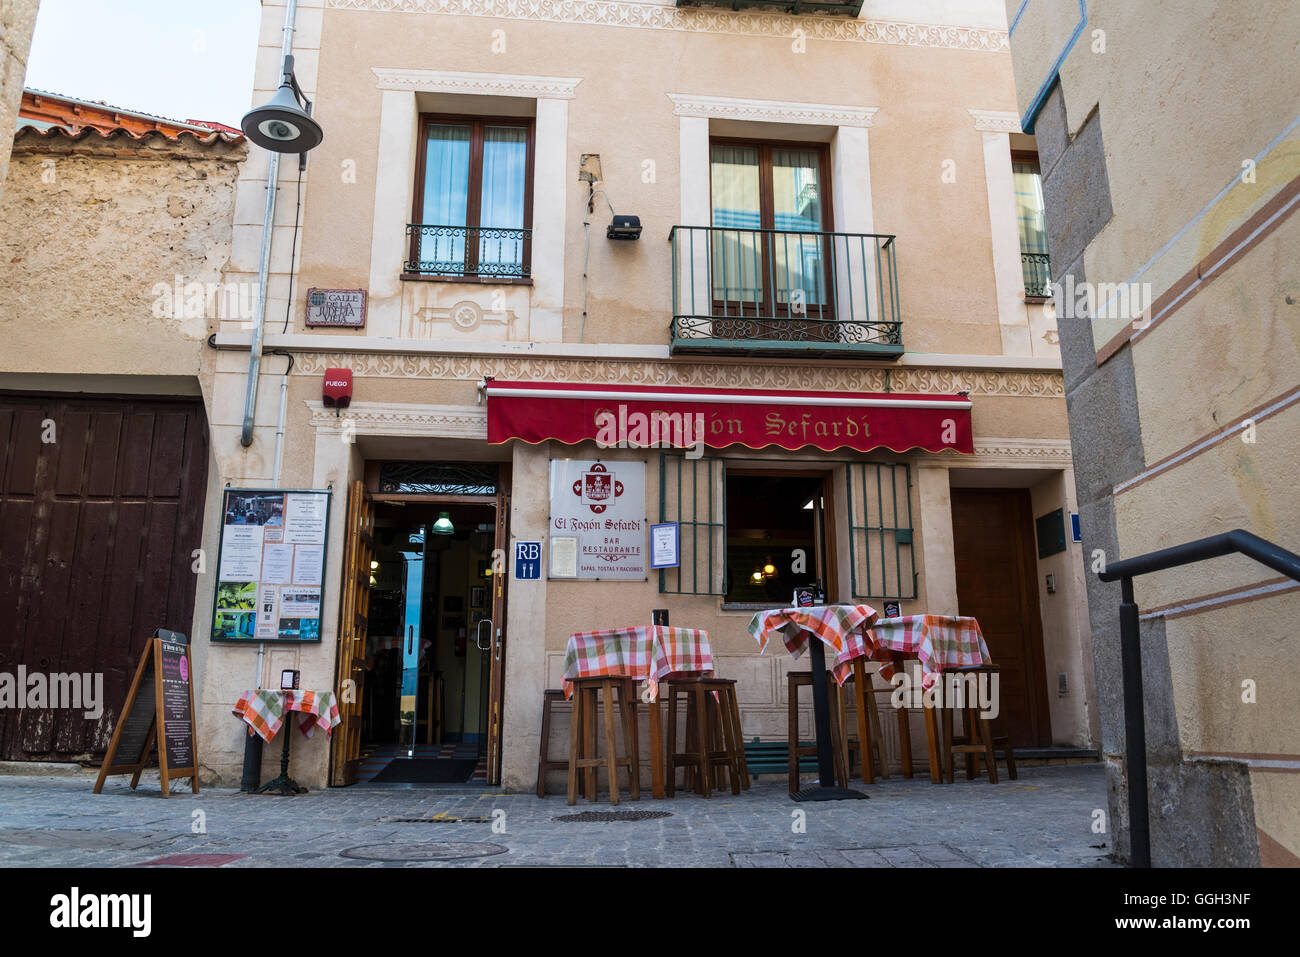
[(1034, 260), (473, 198)]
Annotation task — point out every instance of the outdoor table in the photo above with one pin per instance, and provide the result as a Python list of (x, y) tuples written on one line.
[(650, 653), (939, 643), (264, 710), (845, 630)]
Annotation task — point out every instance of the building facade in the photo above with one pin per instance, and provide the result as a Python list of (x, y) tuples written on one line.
[(456, 188), (839, 268), (1170, 154), (17, 23)]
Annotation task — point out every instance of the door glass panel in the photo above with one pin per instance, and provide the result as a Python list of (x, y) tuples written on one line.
[(446, 197), (505, 157), (737, 243), (797, 213), (413, 556)]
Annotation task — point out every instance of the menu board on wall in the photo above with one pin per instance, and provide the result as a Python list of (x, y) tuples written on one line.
[(271, 565), (602, 506)]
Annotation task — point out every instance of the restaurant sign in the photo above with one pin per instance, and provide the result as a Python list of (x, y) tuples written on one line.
[(345, 308), (692, 418), (602, 505)]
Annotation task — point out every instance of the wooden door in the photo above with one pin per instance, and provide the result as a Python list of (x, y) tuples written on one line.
[(354, 613), (497, 655), (997, 584), (101, 514)]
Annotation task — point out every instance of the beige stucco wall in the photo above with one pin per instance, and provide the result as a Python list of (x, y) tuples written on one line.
[(17, 23), (1197, 113)]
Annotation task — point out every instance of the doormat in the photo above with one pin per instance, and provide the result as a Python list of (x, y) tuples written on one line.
[(596, 817), (426, 771), (440, 851)]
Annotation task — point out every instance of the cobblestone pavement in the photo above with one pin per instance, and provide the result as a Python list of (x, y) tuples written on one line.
[(1042, 820)]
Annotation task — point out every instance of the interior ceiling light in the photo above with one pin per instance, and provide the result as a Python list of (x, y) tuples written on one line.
[(374, 565), (443, 525), (768, 568), (757, 577)]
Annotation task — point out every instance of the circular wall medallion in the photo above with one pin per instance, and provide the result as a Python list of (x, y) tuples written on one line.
[(466, 314), (434, 851)]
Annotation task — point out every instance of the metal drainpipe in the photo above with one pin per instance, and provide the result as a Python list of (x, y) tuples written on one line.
[(252, 770), (264, 260)]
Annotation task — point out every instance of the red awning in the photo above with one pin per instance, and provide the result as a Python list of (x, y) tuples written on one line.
[(636, 416)]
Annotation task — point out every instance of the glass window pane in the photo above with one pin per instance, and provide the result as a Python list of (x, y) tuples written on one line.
[(501, 214), (797, 247), (446, 197), (737, 253), (1033, 227)]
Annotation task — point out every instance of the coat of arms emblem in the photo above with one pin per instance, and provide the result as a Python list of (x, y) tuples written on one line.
[(598, 488)]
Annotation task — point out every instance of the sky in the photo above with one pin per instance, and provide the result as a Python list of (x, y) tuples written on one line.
[(182, 59)]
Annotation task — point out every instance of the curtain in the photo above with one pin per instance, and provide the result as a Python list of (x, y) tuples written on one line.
[(446, 195), (737, 250), (796, 207), (505, 159)]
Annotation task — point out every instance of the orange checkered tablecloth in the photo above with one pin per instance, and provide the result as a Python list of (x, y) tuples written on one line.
[(939, 643), (650, 653), (263, 709), (844, 629)]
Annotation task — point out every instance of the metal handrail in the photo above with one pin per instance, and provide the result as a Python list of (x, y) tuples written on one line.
[(1238, 541)]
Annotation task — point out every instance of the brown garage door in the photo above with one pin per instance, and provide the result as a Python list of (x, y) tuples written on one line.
[(96, 533), (993, 540)]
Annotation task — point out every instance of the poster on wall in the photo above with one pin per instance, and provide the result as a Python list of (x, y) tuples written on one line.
[(602, 506), (270, 566)]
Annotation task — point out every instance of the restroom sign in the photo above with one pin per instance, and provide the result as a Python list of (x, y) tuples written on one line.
[(528, 561)]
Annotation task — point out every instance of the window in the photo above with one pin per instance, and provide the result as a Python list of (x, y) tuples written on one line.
[(1033, 226), (473, 197), (769, 217), (775, 539)]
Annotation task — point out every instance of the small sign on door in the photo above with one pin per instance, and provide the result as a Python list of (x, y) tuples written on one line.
[(528, 561)]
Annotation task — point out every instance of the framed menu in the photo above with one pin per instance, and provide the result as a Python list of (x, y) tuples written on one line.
[(270, 566)]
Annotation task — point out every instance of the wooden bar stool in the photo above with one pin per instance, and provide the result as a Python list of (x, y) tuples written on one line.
[(864, 701), (804, 679), (977, 741), (544, 760), (589, 695), (712, 741)]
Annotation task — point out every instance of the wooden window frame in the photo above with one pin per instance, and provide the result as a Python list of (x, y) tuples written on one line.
[(473, 205), (767, 218)]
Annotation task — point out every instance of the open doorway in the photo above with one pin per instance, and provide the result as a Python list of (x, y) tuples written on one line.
[(424, 718)]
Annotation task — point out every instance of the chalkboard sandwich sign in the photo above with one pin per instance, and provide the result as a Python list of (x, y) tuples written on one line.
[(159, 710)]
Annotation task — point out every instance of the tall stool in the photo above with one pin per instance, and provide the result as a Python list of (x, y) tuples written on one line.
[(712, 740), (869, 744), (589, 694), (804, 679), (544, 760), (978, 741)]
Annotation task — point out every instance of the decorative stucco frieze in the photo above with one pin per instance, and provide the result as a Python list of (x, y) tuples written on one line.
[(378, 418), (730, 108), (995, 121), (661, 16), (974, 381), (483, 84)]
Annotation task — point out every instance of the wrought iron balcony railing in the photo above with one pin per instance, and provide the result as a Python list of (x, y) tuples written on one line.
[(469, 251), (784, 292), (1037, 269)]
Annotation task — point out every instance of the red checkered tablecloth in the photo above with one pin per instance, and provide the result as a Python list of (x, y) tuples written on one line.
[(939, 642), (647, 652), (264, 709), (842, 628)]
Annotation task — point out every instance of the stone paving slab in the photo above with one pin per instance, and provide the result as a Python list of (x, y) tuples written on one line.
[(1042, 820)]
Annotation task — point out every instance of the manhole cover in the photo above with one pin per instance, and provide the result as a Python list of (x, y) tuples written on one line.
[(439, 851), (595, 817)]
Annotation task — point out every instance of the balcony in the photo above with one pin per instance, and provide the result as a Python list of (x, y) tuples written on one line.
[(1037, 270), (468, 253), (784, 293), (825, 8)]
